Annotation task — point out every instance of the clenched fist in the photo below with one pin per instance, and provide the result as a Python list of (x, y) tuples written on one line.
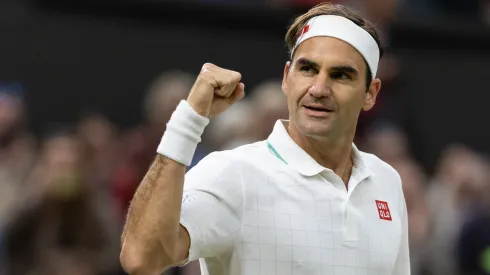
[(215, 90)]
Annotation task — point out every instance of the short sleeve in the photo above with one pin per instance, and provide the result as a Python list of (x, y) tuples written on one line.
[(402, 264), (211, 206)]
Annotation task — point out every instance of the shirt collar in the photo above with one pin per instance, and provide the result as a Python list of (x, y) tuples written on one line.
[(286, 150)]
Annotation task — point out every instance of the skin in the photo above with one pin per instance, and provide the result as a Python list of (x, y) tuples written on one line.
[(328, 74)]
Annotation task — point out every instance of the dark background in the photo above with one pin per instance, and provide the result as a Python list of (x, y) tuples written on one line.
[(102, 56)]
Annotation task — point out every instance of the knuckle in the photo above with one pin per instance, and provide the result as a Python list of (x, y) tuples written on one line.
[(236, 76), (206, 67), (206, 73), (205, 77)]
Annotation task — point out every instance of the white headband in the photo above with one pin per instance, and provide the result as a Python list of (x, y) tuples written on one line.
[(345, 30)]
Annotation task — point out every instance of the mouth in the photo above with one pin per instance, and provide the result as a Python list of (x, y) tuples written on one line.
[(318, 112), (318, 109)]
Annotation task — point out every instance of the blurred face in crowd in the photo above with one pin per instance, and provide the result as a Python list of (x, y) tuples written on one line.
[(10, 113), (96, 131), (325, 86), (61, 152), (463, 170), (61, 155), (164, 95), (389, 144)]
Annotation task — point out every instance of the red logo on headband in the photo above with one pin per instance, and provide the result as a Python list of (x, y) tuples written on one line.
[(304, 30)]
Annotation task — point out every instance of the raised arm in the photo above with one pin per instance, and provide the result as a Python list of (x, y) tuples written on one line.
[(153, 238)]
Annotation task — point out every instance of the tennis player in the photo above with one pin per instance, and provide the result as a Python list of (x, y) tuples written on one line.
[(304, 201)]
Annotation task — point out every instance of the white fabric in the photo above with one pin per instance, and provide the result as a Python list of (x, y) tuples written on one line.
[(183, 133), (250, 213), (344, 29)]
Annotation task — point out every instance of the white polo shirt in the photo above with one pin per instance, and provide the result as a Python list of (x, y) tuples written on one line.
[(268, 208)]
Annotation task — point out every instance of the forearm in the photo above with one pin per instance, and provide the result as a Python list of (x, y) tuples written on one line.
[(152, 239), (152, 226)]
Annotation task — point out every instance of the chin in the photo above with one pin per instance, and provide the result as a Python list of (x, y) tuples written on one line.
[(313, 128)]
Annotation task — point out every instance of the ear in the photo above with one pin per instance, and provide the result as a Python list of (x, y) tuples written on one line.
[(371, 94), (285, 76)]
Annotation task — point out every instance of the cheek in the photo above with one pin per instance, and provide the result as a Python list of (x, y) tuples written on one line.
[(350, 100), (289, 92), (297, 89)]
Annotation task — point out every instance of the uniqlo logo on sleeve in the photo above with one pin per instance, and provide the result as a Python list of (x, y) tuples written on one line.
[(383, 210)]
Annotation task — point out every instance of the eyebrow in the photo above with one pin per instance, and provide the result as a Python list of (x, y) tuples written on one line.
[(306, 62), (345, 69)]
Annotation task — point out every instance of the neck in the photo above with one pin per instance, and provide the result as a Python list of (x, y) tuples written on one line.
[(330, 152)]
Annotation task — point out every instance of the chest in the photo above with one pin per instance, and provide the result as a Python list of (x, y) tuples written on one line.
[(314, 227)]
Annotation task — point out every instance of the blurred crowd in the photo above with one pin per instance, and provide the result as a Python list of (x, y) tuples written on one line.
[(64, 195), (478, 10)]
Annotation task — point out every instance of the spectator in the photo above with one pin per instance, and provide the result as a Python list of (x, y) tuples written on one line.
[(473, 244), (99, 153), (61, 232), (454, 194), (16, 154), (163, 96), (258, 112), (137, 146), (269, 103), (232, 128), (16, 147)]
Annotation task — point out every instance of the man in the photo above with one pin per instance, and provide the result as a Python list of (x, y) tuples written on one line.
[(304, 201)]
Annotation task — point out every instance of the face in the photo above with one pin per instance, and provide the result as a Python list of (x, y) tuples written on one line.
[(325, 86), (10, 113)]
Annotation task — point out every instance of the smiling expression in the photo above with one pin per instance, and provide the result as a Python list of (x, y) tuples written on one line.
[(325, 85)]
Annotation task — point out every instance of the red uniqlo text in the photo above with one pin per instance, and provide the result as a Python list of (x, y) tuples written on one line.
[(383, 210)]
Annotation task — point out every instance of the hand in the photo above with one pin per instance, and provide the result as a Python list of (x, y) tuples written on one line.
[(215, 90)]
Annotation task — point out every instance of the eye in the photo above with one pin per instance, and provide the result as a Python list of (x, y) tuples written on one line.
[(308, 69), (340, 76)]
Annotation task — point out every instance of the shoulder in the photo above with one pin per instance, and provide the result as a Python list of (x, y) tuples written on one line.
[(241, 155), (231, 163), (386, 179), (381, 169)]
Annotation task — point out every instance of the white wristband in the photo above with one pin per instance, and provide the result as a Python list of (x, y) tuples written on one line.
[(183, 133)]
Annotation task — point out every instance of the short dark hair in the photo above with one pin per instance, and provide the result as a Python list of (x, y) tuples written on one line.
[(332, 9)]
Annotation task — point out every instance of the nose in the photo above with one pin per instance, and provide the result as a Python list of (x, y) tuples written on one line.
[(321, 87)]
